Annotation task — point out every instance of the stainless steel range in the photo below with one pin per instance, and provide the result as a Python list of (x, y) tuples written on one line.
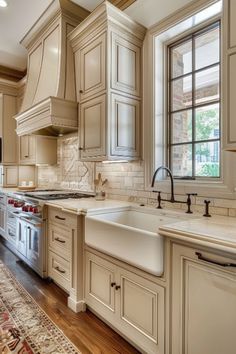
[(26, 223)]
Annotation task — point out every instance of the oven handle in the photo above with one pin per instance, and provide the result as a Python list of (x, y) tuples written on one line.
[(36, 224)]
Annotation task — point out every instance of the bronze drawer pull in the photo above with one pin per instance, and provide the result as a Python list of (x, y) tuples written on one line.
[(59, 217), (117, 287), (200, 257), (113, 284), (60, 270), (59, 240)]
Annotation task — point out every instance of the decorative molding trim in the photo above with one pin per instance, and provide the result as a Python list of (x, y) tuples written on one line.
[(11, 74), (53, 115), (122, 4)]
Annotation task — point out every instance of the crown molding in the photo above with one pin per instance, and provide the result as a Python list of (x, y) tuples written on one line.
[(122, 4), (11, 74)]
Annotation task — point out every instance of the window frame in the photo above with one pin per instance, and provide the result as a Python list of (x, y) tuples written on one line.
[(224, 187), (203, 28)]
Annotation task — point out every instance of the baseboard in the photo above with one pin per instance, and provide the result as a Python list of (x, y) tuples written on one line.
[(76, 306)]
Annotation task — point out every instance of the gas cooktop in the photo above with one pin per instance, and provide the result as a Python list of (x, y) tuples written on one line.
[(55, 194)]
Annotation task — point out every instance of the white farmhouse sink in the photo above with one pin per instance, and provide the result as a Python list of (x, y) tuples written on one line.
[(130, 235)]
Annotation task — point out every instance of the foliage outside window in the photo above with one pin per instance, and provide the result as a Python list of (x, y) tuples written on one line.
[(194, 104)]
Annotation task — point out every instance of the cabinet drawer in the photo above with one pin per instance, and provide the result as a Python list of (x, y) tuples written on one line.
[(60, 217), (60, 240), (59, 270)]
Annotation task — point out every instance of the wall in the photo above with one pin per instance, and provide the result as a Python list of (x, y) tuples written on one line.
[(125, 180)]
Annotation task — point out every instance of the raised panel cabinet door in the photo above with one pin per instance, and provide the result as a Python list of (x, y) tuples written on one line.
[(92, 68), (100, 285), (93, 128), (141, 311), (10, 176), (126, 67), (203, 303), (125, 123), (27, 149)]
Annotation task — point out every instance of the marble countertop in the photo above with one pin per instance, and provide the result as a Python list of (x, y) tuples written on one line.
[(217, 232)]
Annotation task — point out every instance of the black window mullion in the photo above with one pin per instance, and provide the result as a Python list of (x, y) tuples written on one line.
[(193, 103)]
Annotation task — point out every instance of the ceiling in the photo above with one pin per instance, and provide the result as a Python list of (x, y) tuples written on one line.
[(19, 16)]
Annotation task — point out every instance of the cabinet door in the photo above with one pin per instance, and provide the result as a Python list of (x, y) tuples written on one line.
[(100, 285), (93, 128), (90, 67), (9, 176), (126, 66), (141, 311), (11, 235), (27, 149), (203, 303), (34, 251), (21, 236), (125, 122)]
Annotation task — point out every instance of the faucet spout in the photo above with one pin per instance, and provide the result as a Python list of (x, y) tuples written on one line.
[(172, 198)]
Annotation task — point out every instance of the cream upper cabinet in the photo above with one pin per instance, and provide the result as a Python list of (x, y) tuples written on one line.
[(131, 303), (229, 75), (203, 302), (8, 108), (8, 176), (108, 62), (37, 149)]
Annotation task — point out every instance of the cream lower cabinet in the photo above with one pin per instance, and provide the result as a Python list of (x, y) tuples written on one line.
[(129, 302), (203, 302), (65, 255)]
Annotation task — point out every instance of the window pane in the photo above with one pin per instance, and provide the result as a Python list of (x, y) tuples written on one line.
[(181, 58), (181, 127), (207, 48), (181, 93), (207, 159), (207, 86), (181, 157), (207, 122)]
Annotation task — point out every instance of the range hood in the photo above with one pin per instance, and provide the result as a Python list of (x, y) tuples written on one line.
[(49, 106)]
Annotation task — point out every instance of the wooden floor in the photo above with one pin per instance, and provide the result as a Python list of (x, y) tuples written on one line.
[(85, 330)]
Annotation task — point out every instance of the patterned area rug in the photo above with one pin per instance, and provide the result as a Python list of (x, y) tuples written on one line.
[(24, 326)]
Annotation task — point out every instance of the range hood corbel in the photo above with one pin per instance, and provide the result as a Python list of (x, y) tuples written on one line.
[(49, 106)]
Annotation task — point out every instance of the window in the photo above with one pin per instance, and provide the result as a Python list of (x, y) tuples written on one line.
[(194, 104)]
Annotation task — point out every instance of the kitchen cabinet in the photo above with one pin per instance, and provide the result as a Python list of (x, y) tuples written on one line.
[(65, 254), (108, 61), (36, 149), (131, 303), (8, 108), (229, 75), (203, 302), (8, 176)]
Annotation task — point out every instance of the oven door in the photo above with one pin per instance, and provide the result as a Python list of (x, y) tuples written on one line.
[(21, 236), (34, 245)]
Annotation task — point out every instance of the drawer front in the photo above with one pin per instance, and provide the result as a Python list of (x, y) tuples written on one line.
[(57, 216), (59, 270), (11, 235), (60, 240)]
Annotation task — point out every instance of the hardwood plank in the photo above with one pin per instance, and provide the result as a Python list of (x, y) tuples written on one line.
[(85, 330)]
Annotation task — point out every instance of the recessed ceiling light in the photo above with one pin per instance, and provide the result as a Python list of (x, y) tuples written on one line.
[(3, 3)]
